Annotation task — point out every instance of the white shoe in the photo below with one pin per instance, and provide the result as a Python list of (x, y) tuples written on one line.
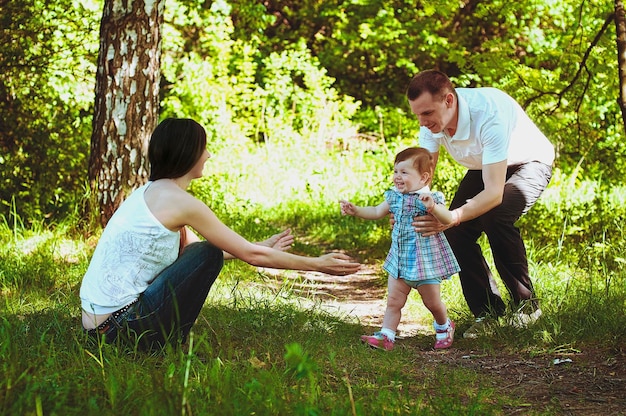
[(522, 320), (480, 327)]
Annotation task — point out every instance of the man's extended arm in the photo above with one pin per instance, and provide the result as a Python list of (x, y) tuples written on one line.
[(494, 178)]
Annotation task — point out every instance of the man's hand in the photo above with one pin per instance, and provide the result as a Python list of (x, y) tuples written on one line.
[(428, 225)]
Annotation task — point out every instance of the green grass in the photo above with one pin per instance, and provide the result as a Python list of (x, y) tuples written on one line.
[(260, 348), (257, 350), (251, 353)]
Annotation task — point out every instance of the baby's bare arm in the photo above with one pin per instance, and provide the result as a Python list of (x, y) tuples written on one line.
[(368, 213)]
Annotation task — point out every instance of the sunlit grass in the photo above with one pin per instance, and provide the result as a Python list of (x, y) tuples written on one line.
[(262, 347)]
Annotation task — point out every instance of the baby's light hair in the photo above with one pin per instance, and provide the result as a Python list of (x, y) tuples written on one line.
[(422, 160)]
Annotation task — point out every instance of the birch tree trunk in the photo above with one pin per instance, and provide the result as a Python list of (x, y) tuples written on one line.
[(127, 100), (620, 31)]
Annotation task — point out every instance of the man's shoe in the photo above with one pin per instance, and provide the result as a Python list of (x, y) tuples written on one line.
[(522, 320), (481, 327)]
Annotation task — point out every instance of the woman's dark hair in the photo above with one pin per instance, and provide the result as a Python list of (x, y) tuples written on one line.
[(175, 147)]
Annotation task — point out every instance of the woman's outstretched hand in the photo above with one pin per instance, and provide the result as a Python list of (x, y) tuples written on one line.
[(332, 263), (281, 241), (338, 264)]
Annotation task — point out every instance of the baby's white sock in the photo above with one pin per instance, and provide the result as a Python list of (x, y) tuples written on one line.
[(390, 334), (443, 327)]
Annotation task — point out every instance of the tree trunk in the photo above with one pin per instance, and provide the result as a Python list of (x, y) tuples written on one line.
[(620, 30), (127, 100)]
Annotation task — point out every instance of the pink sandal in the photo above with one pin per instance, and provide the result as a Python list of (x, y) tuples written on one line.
[(378, 340), (443, 339)]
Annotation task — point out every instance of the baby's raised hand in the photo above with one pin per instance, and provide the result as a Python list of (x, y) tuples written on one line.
[(347, 207), (428, 201)]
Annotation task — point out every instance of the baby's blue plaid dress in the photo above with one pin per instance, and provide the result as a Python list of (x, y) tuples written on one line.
[(413, 256)]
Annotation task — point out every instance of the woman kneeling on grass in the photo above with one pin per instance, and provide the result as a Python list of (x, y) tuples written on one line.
[(414, 261), (150, 275)]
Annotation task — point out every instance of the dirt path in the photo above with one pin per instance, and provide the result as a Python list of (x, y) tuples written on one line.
[(359, 296), (592, 383)]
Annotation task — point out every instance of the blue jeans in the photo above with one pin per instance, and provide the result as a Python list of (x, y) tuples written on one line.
[(168, 308), (524, 184)]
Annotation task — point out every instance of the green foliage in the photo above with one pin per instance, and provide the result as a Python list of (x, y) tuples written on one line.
[(285, 171), (257, 74), (46, 92), (565, 78), (390, 124), (582, 223), (303, 107), (244, 97), (557, 58)]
